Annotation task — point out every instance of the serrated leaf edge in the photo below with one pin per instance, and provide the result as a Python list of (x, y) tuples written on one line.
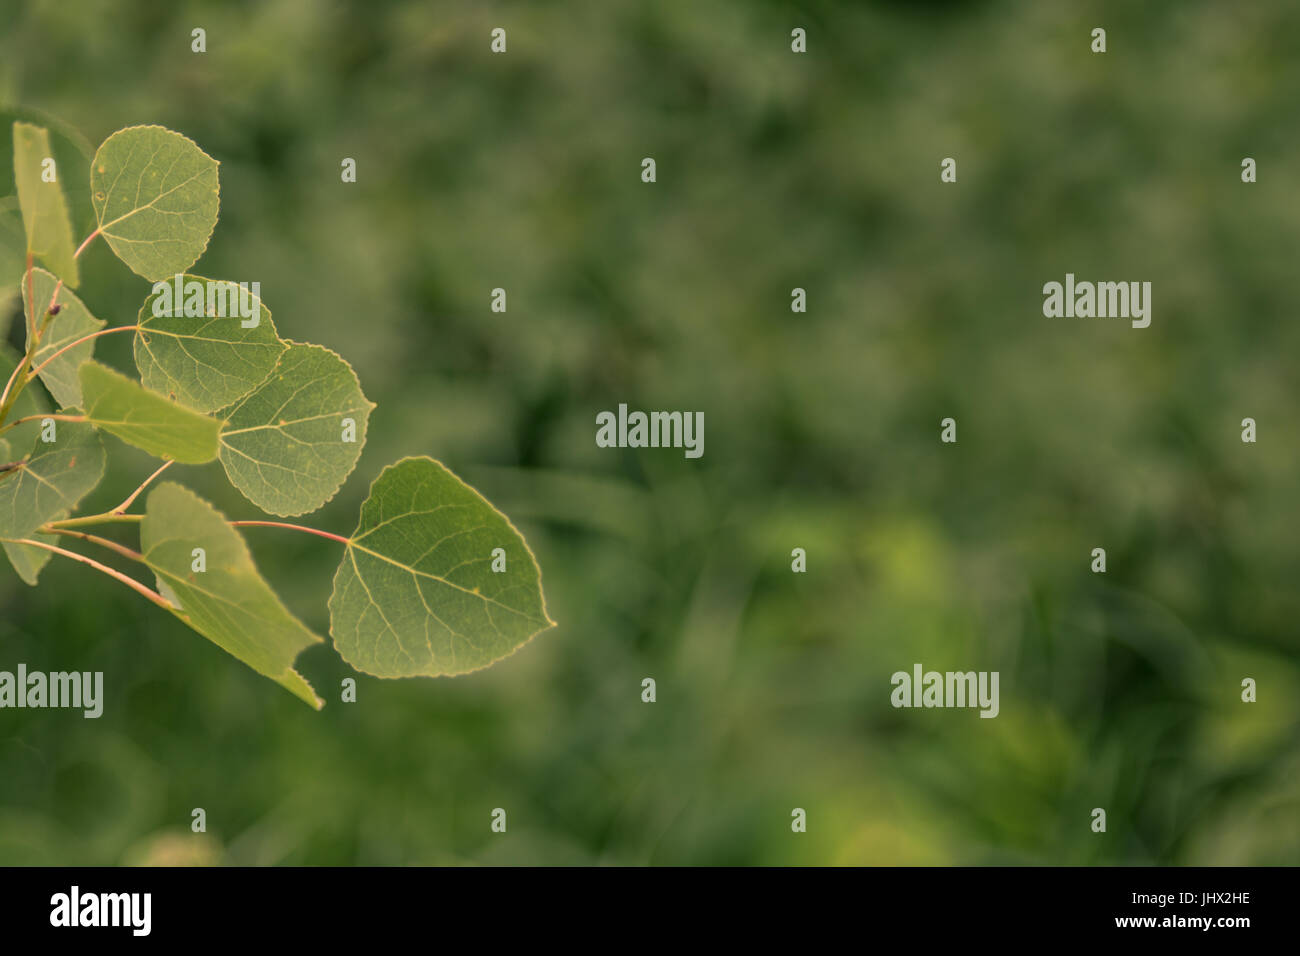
[(99, 226), (541, 591)]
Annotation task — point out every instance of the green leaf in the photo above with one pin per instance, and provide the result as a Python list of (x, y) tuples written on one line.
[(283, 446), (52, 480), (415, 593), (229, 603), (26, 560), (45, 211), (146, 419), (72, 152), (204, 361), (13, 243), (73, 322), (155, 195)]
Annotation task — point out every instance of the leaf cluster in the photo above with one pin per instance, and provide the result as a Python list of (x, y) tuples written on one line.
[(433, 581)]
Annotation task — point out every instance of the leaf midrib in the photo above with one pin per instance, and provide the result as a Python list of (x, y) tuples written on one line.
[(104, 227), (415, 572)]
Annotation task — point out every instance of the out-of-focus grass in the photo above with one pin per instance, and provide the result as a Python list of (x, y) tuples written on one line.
[(774, 171)]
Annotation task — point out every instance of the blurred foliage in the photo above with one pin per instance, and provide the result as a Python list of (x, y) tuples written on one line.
[(774, 171)]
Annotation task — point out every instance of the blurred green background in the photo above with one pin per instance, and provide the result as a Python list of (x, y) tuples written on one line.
[(775, 170)]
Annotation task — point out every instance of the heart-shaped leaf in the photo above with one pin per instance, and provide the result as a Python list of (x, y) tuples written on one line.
[(417, 593), (155, 195), (228, 602), (146, 419), (289, 445), (73, 322), (208, 360)]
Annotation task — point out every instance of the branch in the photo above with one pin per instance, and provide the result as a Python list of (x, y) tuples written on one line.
[(49, 313), (130, 582), (19, 375), (4, 396), (58, 286), (105, 518), (96, 539), (40, 418), (34, 334), (118, 514), (121, 509)]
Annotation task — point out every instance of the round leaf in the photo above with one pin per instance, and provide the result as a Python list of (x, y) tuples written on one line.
[(290, 444), (155, 195), (205, 361)]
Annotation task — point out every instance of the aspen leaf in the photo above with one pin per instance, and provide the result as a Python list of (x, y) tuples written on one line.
[(51, 480), (26, 560), (415, 594), (155, 195), (45, 211), (205, 362), (282, 445), (229, 603), (14, 445), (71, 152), (17, 442), (146, 419), (13, 243), (73, 322)]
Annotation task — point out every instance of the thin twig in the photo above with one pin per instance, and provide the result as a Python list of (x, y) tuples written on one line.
[(10, 384), (121, 509), (49, 309), (85, 338), (85, 242), (106, 518), (96, 539), (40, 418), (31, 299), (130, 582)]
